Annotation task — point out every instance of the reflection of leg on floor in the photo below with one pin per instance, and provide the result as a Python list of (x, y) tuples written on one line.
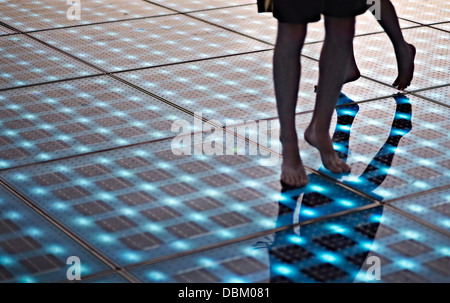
[(346, 111), (377, 170), (296, 257)]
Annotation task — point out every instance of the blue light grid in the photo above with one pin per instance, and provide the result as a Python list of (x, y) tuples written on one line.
[(25, 61), (433, 208), (389, 141), (441, 94), (44, 250), (149, 203), (430, 62), (64, 119), (113, 278), (50, 14), (264, 27), (308, 254), (236, 88), (148, 42), (193, 5)]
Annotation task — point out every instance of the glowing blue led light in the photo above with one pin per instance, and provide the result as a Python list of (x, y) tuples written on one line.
[(106, 196), (146, 186), (156, 276), (128, 211), (103, 160), (225, 234), (378, 218), (402, 116), (308, 212), (197, 217), (367, 245), (10, 133), (239, 207), (55, 249), (35, 232), (205, 262), (180, 245), (296, 240), (83, 221), (283, 269), (59, 206), (384, 193), (105, 238), (266, 223), (27, 280), (407, 264), (421, 185), (416, 208), (235, 280), (82, 182), (346, 203), (412, 234), (337, 228), (20, 177), (82, 149), (6, 260), (445, 251), (329, 257), (343, 128), (131, 256), (39, 191), (124, 173), (317, 188), (251, 183)]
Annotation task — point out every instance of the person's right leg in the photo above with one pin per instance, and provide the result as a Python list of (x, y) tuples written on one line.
[(286, 73), (333, 65)]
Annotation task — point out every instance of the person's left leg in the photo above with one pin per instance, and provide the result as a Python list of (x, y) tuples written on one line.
[(404, 52), (333, 65)]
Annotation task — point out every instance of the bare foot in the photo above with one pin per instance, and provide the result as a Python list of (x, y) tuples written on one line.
[(405, 63), (292, 171), (328, 155)]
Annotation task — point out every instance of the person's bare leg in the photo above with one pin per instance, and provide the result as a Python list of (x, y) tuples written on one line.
[(333, 66), (352, 73), (404, 52), (286, 73)]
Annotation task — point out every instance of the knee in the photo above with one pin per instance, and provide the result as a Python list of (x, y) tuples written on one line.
[(291, 35), (340, 29)]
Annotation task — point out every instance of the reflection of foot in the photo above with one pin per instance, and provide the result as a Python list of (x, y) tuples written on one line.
[(405, 62), (292, 171), (328, 155)]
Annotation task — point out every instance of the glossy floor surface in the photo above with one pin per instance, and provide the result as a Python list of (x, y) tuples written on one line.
[(95, 112)]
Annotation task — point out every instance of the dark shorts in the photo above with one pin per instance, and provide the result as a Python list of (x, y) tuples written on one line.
[(305, 11)]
